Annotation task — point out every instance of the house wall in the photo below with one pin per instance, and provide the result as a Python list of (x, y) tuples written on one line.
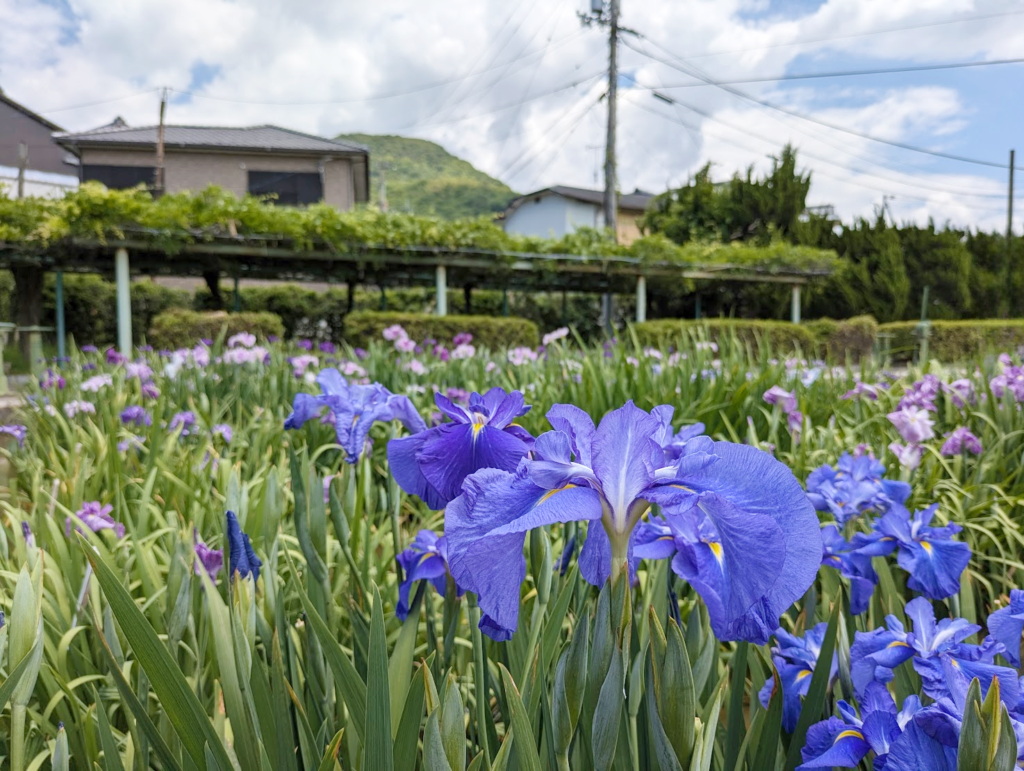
[(543, 217), (628, 229), (189, 170), (43, 153)]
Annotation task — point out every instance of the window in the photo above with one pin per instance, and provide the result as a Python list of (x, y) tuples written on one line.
[(119, 177), (291, 187)]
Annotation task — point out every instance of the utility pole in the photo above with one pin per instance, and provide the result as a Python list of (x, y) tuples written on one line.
[(158, 181), (611, 203), (23, 165)]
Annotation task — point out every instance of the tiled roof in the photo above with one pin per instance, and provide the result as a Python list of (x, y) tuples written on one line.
[(635, 201)]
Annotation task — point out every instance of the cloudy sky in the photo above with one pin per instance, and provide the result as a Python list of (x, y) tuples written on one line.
[(516, 86)]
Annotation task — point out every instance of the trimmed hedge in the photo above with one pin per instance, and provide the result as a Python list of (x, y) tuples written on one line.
[(844, 339), (780, 335), (494, 333), (179, 328), (955, 340)]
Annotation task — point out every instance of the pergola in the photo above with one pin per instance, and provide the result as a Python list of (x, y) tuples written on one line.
[(275, 258)]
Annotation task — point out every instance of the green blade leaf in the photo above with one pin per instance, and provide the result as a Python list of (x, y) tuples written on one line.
[(767, 749), (608, 713), (379, 748), (111, 757), (736, 727), (331, 753), (814, 702), (177, 699), (408, 733), (526, 744)]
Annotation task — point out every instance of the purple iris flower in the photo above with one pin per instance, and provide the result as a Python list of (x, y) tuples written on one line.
[(851, 564), (874, 655), (185, 420), (673, 443), (96, 517), (355, 409), (854, 486), (845, 742), (136, 415), (241, 558), (780, 396), (913, 423), (26, 531), (961, 440), (113, 357), (433, 463), (915, 750), (150, 391), (862, 389), (961, 392), (327, 347), (305, 344), (933, 559), (742, 531), (795, 659), (921, 394), (90, 349), (210, 560), (224, 431), (424, 560), (1007, 625), (16, 430)]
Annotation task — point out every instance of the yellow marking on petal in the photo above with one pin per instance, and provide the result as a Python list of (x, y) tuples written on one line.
[(716, 549), (477, 428), (850, 734), (355, 419), (955, 663), (425, 557), (897, 644), (804, 673), (549, 493), (926, 546), (681, 487)]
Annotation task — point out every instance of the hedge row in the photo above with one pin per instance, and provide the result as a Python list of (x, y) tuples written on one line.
[(179, 328), (494, 333), (954, 340), (779, 335)]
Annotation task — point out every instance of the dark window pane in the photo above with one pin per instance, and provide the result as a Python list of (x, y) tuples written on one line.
[(118, 177), (291, 187)]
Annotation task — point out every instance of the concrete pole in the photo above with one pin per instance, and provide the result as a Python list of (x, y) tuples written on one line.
[(62, 331), (124, 302), (641, 299), (441, 278), (795, 305)]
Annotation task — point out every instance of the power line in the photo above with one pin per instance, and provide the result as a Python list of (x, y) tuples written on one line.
[(523, 162), (869, 33), (101, 101), (850, 73), (694, 72), (559, 144)]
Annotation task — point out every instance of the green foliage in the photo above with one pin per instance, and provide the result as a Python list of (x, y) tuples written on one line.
[(955, 340), (775, 335), (495, 334), (424, 178), (836, 340), (178, 328)]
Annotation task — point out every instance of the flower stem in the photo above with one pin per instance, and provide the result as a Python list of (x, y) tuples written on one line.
[(18, 712), (480, 681)]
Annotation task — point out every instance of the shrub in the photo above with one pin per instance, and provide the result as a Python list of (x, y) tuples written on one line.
[(955, 340), (779, 335), (495, 333), (180, 327), (848, 338)]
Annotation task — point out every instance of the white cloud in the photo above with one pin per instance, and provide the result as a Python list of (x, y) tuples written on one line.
[(265, 54)]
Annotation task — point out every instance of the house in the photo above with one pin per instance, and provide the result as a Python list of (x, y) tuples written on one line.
[(47, 169), (298, 168), (556, 211)]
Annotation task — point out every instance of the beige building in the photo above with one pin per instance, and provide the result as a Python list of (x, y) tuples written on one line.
[(297, 168), (556, 211)]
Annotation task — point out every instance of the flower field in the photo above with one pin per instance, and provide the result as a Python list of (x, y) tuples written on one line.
[(264, 555)]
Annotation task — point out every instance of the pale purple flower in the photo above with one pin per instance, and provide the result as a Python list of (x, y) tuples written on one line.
[(395, 332), (632, 361), (327, 347), (185, 420), (442, 353), (521, 355), (909, 456), (416, 367), (458, 395), (961, 440), (89, 349), (491, 366), (463, 338), (301, 363), (913, 423), (138, 369), (557, 334), (210, 560), (73, 408), (97, 382), (713, 347), (243, 339), (780, 396), (224, 431), (922, 394), (52, 380), (961, 392), (136, 415), (16, 430), (1011, 380), (360, 353), (113, 357), (466, 351), (405, 345), (795, 421), (862, 389), (132, 441), (150, 391), (26, 531), (351, 369), (96, 517), (305, 344)]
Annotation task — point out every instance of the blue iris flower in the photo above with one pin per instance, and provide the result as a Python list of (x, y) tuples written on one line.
[(854, 486), (845, 742), (915, 750), (424, 560), (743, 532), (354, 409), (1007, 625), (933, 559), (875, 654), (241, 558), (851, 564), (433, 463), (795, 659)]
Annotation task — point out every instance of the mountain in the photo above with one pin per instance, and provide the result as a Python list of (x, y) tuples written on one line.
[(424, 178)]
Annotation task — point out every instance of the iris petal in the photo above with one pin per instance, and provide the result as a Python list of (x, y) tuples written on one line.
[(578, 426), (622, 457), (406, 470), (934, 566), (455, 450)]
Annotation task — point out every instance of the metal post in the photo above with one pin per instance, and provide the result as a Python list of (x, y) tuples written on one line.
[(124, 302), (696, 314), (794, 312), (441, 278), (611, 203), (641, 299), (61, 328)]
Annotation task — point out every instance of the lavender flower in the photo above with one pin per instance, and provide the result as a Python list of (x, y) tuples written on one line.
[(395, 332), (557, 334), (243, 339), (132, 441), (780, 396), (97, 383), (913, 423), (96, 517), (52, 380), (16, 430), (210, 560), (961, 440), (73, 408), (327, 347), (519, 356), (961, 392), (89, 349), (185, 420), (138, 370), (908, 456), (921, 394), (26, 531), (862, 389), (136, 415), (463, 338), (113, 357), (467, 351), (150, 391), (223, 430)]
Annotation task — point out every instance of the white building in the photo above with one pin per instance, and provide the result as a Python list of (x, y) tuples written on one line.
[(556, 211)]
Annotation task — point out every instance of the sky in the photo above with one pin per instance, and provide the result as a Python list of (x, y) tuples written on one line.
[(517, 88)]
